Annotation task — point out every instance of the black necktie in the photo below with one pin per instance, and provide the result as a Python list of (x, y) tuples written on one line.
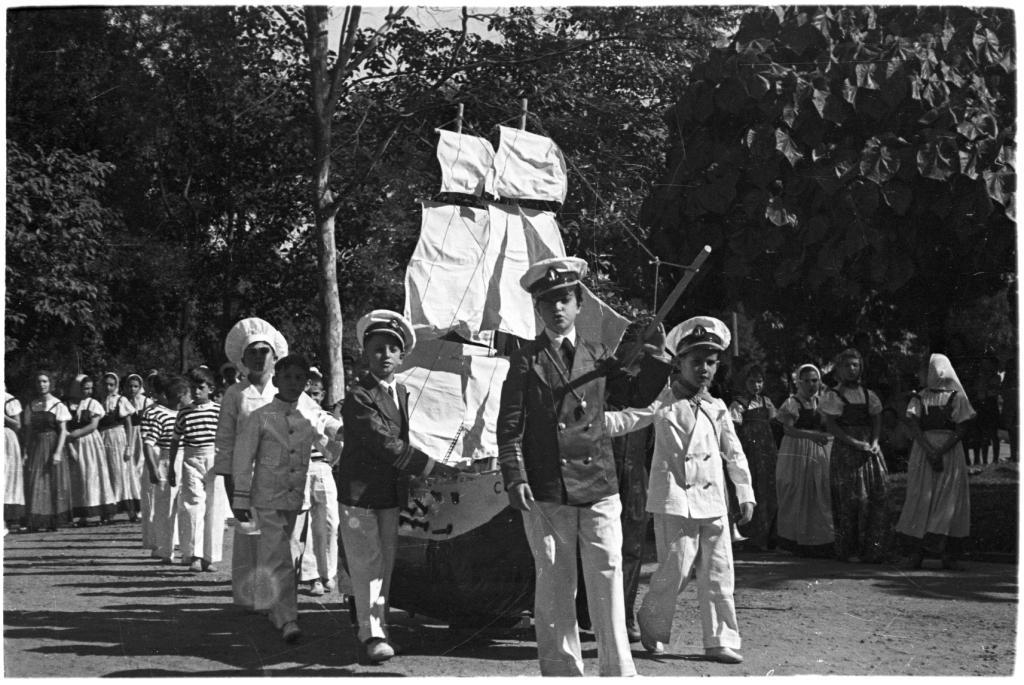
[(567, 353)]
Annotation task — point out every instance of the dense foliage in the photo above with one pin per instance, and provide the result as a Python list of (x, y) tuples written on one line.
[(852, 167), (845, 164)]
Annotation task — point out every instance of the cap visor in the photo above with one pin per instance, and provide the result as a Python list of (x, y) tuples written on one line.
[(385, 331), (695, 346), (555, 291)]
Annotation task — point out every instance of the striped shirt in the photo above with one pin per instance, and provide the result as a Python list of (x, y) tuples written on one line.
[(158, 426), (196, 425)]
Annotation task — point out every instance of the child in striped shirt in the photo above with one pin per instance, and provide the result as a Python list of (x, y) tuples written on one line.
[(158, 432), (202, 502)]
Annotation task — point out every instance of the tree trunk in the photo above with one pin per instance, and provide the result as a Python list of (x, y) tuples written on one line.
[(184, 342), (324, 209)]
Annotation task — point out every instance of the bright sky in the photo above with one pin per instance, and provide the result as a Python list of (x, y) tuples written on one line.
[(427, 17)]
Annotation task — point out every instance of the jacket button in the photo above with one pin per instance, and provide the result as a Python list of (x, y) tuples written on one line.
[(686, 486), (564, 462), (561, 426), (587, 460)]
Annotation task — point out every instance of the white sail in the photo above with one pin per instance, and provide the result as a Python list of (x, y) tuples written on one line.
[(516, 243), (448, 278), (528, 166), (597, 321), (465, 162), (454, 395), (454, 390)]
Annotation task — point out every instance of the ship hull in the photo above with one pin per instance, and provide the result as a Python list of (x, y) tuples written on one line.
[(462, 553), (483, 578)]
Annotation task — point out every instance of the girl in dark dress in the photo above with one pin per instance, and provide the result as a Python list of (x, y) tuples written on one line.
[(752, 412), (858, 476), (47, 481)]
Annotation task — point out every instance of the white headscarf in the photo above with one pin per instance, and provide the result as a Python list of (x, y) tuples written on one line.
[(799, 372), (941, 375)]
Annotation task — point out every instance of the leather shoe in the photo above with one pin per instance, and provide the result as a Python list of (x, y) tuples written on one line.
[(651, 645), (723, 655), (378, 650), (290, 631), (316, 588), (632, 633)]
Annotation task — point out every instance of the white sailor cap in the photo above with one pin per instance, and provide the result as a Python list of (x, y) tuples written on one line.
[(553, 275), (249, 331), (387, 322), (700, 331)]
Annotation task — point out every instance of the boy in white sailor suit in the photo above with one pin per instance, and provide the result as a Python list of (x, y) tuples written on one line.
[(693, 436), (271, 457), (376, 459)]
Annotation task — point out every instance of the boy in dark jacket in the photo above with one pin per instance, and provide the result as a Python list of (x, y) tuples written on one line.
[(376, 457)]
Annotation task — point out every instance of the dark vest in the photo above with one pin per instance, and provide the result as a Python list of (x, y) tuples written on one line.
[(77, 421), (111, 418), (808, 418), (938, 417), (855, 414), (756, 413), (43, 421)]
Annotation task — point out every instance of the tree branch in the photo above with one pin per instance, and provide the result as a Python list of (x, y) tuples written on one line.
[(456, 49), (292, 22), (491, 62), (346, 46), (345, 67)]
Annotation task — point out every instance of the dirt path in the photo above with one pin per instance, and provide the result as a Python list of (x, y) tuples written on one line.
[(89, 602)]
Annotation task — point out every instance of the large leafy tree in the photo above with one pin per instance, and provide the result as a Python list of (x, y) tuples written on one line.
[(56, 240), (851, 166), (200, 141)]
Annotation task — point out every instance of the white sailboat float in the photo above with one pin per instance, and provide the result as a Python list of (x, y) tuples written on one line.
[(463, 556)]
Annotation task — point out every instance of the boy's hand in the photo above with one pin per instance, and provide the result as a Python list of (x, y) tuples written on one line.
[(520, 496), (746, 512), (654, 345)]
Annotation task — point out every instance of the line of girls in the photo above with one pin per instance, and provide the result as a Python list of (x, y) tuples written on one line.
[(73, 459), (823, 491)]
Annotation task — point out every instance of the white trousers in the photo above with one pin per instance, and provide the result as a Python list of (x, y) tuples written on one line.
[(682, 541), (165, 507), (146, 511), (202, 506), (370, 538), (320, 555), (554, 531), (274, 584)]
